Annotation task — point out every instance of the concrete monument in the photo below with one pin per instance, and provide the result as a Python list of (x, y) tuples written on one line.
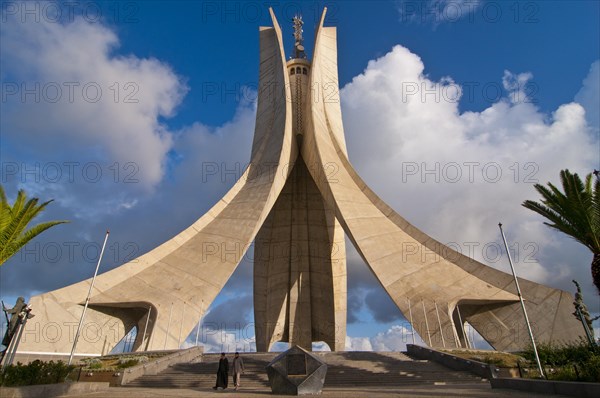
[(295, 201)]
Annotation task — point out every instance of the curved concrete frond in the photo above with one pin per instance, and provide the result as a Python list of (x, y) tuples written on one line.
[(415, 269), (177, 281)]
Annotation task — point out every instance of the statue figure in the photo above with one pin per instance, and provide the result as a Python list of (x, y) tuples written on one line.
[(582, 313), (13, 323)]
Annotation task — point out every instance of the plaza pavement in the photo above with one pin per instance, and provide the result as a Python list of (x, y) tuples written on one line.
[(445, 391)]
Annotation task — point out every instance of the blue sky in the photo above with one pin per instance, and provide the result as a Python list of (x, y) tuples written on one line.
[(178, 82)]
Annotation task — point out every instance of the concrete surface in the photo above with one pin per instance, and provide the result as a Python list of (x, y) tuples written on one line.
[(550, 387), (475, 391)]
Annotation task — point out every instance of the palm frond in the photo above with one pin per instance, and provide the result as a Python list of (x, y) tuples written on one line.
[(3, 200), (12, 248), (574, 211), (14, 221)]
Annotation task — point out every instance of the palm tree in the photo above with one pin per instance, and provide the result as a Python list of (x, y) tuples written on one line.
[(576, 212), (14, 220)]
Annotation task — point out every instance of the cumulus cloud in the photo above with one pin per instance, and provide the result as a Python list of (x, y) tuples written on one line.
[(355, 303), (320, 346), (393, 339), (74, 110), (589, 96), (456, 175), (235, 313), (383, 309), (222, 340)]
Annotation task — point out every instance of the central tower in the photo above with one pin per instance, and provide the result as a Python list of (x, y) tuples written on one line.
[(300, 256)]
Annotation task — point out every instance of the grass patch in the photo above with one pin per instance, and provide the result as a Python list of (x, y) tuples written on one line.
[(497, 358), (122, 361)]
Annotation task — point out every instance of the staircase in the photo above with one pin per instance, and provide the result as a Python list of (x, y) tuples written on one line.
[(344, 369)]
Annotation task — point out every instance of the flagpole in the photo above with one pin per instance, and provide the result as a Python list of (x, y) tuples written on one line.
[(146, 329), (512, 268), (87, 300)]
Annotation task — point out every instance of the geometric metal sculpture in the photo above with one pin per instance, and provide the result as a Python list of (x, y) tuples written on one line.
[(296, 372), (295, 201)]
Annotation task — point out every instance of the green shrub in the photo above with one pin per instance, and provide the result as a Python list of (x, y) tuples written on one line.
[(126, 362), (591, 369), (36, 372), (568, 362), (565, 373), (92, 363)]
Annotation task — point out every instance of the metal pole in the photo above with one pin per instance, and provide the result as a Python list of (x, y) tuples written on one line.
[(127, 341), (471, 335), (199, 322), (146, 327), (19, 334), (454, 331), (411, 321), (11, 349), (131, 340), (87, 300), (462, 327), (168, 327), (181, 326), (585, 326), (426, 323), (440, 324), (512, 268), (5, 314)]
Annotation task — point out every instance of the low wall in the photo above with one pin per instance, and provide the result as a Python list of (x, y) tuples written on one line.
[(160, 364), (112, 377), (570, 388), (52, 390), (482, 369)]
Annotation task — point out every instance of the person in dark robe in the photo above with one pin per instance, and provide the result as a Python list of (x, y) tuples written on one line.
[(222, 373)]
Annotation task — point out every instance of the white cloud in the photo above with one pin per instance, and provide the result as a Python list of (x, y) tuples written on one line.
[(456, 175), (589, 96), (320, 346), (393, 339), (516, 85), (67, 92), (358, 344), (222, 341)]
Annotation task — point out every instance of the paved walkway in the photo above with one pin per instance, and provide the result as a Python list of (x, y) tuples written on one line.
[(444, 391)]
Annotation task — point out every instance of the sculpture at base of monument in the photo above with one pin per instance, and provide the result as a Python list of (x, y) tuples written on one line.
[(296, 372), (19, 314), (13, 322)]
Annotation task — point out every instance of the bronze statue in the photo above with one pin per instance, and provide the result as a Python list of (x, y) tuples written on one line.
[(13, 323)]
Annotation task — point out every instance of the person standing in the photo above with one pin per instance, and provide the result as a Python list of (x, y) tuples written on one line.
[(238, 370), (222, 373)]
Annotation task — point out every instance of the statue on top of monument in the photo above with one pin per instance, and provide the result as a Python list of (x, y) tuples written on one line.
[(298, 39)]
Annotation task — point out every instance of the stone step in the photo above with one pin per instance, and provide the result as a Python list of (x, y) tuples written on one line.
[(345, 369)]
